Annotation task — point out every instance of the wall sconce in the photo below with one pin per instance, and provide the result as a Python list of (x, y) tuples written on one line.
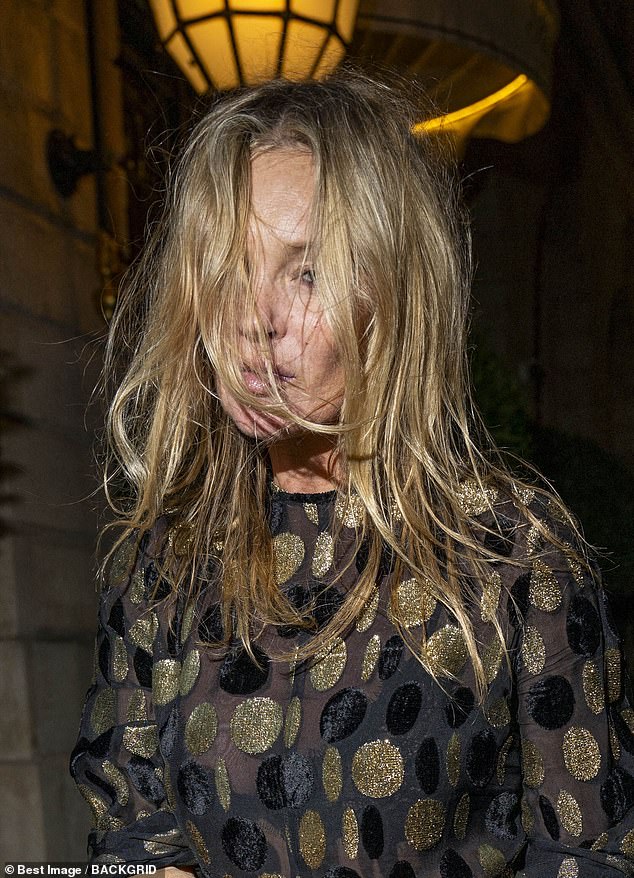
[(67, 163)]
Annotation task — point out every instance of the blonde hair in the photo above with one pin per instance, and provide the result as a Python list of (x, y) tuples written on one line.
[(392, 259)]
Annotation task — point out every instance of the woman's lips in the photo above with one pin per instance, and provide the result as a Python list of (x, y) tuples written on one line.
[(256, 382)]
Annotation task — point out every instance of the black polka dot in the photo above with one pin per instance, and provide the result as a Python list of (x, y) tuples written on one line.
[(101, 784), (403, 709), (402, 869), (100, 747), (501, 816), (327, 602), (551, 702), (500, 541), (285, 783), (386, 562), (298, 597), (427, 766), (363, 554), (240, 674), (142, 662), (341, 872), (342, 715), (156, 586), (210, 628), (142, 774), (481, 758), (550, 817), (583, 626), (269, 783), (623, 733), (276, 515), (459, 706), (195, 788), (372, 832), (453, 866), (104, 658), (244, 843), (519, 599), (115, 619), (617, 794), (167, 736), (173, 641), (390, 657)]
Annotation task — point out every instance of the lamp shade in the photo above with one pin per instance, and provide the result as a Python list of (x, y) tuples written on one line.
[(222, 44), (486, 64)]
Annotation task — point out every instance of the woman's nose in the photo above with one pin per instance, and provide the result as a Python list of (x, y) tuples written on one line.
[(270, 311)]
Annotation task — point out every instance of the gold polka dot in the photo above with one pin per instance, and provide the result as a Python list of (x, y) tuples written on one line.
[(119, 660), (593, 687), (500, 770), (424, 824), (103, 711), (475, 499), (627, 844), (574, 564), (498, 714), (312, 513), (312, 839), (569, 813), (368, 614), (528, 821), (370, 657), (96, 804), (188, 618), (600, 842), (532, 765), (329, 665), (568, 868), (141, 740), (544, 591), (323, 555), (350, 511), (331, 774), (492, 860), (169, 790), (377, 769), (613, 671), (223, 787), (165, 680), (490, 597), (201, 728), (453, 759), (461, 817), (533, 540), (189, 671), (413, 604), (118, 781), (446, 651), (198, 842), (256, 724), (628, 715), (350, 834), (288, 554), (143, 632), (162, 842), (533, 650), (122, 561), (292, 721), (137, 588), (524, 494), (581, 753), (492, 656), (137, 709)]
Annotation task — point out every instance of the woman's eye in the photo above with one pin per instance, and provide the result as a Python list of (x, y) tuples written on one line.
[(308, 276)]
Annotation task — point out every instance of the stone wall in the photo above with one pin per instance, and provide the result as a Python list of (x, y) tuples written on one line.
[(48, 325)]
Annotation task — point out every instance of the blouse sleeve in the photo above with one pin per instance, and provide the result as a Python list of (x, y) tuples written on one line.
[(575, 723), (116, 762)]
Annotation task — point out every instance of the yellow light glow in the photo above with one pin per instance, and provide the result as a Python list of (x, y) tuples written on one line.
[(511, 113)]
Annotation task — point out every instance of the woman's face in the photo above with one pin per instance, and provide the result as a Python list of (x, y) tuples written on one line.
[(301, 353)]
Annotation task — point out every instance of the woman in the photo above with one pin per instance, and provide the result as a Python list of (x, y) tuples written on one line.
[(336, 638)]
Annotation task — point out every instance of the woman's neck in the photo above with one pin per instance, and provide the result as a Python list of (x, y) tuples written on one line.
[(304, 465)]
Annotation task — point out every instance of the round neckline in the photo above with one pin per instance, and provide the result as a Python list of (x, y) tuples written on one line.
[(300, 497)]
